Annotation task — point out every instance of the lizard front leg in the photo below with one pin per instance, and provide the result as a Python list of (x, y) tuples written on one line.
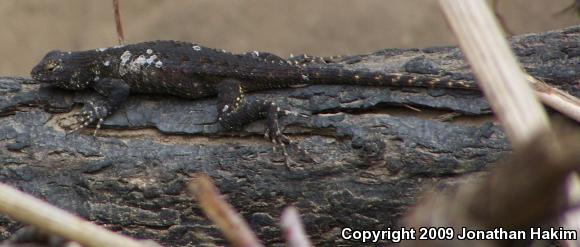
[(234, 111), (111, 94)]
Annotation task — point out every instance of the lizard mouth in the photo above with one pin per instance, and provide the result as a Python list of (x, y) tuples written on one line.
[(38, 75), (40, 78)]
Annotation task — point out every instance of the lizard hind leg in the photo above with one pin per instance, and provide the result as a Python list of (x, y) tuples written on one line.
[(234, 111)]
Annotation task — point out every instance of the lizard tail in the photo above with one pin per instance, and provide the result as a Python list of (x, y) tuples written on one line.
[(316, 75)]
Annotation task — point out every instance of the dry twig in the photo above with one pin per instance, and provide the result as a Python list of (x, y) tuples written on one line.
[(501, 78), (556, 98), (53, 220), (118, 23), (530, 189), (500, 18), (293, 230), (221, 213)]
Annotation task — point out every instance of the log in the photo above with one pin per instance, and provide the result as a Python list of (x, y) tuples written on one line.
[(376, 149)]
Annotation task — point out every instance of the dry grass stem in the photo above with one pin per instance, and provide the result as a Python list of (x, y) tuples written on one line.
[(501, 78), (221, 213), (118, 23), (30, 210), (293, 229)]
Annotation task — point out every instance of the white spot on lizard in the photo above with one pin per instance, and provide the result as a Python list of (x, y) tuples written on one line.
[(196, 48), (125, 57), (138, 63), (151, 59)]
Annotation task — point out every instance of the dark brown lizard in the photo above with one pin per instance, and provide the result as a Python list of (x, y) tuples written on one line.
[(193, 71)]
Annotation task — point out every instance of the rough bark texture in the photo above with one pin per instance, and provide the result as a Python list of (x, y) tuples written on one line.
[(375, 154)]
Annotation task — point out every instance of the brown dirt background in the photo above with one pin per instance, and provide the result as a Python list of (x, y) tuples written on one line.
[(30, 28)]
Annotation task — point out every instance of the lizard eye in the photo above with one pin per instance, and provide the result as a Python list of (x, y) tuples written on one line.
[(50, 66)]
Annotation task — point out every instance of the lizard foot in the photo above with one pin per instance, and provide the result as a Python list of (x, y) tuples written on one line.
[(274, 134), (76, 122), (80, 120)]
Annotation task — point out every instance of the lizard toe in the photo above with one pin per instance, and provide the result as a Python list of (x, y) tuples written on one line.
[(77, 121), (293, 113)]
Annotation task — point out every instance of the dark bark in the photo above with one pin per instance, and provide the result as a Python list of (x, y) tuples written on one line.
[(375, 154)]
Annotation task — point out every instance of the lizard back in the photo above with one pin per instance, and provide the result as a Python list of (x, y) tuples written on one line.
[(193, 71)]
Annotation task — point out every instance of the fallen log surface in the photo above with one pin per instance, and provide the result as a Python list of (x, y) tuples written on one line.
[(377, 149)]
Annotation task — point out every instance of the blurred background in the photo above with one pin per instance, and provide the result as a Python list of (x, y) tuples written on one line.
[(30, 28)]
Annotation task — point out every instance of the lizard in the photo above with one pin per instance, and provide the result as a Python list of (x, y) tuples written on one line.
[(192, 71)]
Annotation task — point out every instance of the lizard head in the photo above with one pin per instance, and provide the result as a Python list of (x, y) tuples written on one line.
[(63, 69)]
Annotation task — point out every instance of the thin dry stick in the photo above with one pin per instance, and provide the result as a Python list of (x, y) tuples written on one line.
[(221, 213), (293, 230), (53, 220), (557, 99), (500, 18), (118, 23), (501, 78)]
